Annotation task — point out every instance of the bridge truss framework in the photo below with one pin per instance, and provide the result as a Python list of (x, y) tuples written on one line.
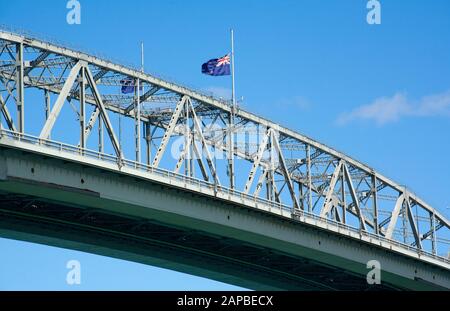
[(224, 148)]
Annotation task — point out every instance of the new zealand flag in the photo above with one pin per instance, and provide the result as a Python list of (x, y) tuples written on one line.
[(217, 66), (127, 86)]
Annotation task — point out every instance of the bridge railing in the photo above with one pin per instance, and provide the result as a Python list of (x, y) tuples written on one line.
[(298, 215), (320, 220)]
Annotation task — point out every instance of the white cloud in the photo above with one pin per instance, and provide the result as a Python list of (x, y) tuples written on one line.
[(434, 105), (390, 109)]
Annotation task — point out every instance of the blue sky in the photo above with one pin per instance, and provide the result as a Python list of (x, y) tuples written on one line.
[(380, 93)]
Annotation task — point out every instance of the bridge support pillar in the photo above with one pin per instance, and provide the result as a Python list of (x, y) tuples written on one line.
[(82, 84), (148, 140), (308, 173), (231, 148), (47, 108), (375, 204), (137, 120), (20, 88)]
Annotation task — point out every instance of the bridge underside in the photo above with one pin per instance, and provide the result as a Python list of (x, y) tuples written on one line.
[(224, 259)]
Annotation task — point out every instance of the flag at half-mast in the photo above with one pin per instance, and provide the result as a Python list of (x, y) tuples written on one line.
[(128, 86), (217, 66)]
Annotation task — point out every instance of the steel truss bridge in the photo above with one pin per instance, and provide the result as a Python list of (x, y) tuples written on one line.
[(202, 187)]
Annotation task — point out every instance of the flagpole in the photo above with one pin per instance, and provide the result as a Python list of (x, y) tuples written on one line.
[(233, 94), (231, 121), (142, 56)]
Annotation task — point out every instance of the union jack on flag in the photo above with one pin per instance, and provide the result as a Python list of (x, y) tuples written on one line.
[(217, 66), (128, 86), (224, 60)]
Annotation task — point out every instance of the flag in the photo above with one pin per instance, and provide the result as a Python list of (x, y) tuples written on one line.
[(127, 86), (217, 66)]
